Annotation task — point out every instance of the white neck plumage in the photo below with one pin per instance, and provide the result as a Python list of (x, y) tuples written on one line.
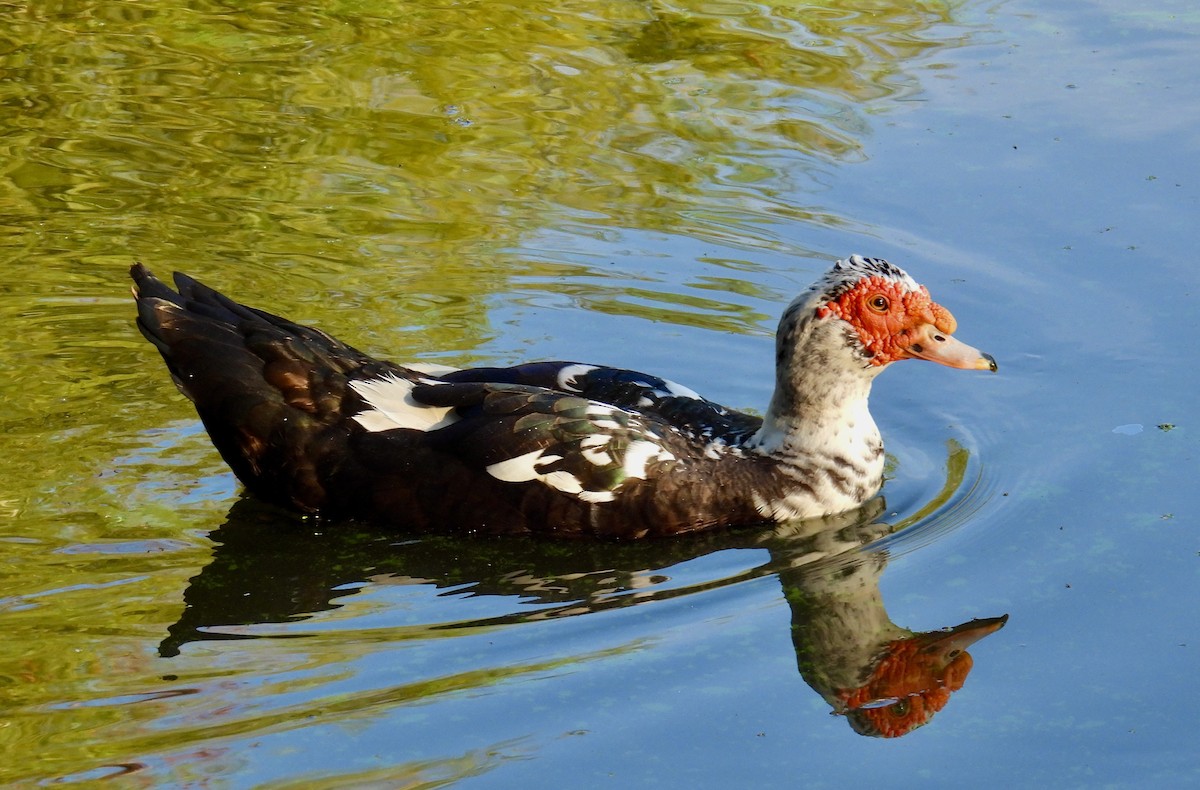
[(818, 412)]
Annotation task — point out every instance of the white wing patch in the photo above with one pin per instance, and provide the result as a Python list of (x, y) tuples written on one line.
[(430, 368), (602, 416), (715, 449), (640, 453), (680, 391), (567, 376), (393, 406), (596, 450), (524, 468)]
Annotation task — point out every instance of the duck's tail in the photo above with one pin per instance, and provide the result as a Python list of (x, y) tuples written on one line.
[(269, 391)]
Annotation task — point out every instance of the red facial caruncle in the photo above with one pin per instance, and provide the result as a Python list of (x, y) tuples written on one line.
[(894, 322)]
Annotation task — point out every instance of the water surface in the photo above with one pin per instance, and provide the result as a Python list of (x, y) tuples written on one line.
[(640, 185)]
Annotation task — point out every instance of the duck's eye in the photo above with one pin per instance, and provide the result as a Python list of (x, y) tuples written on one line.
[(879, 303)]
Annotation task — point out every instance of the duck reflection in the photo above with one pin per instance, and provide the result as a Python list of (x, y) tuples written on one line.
[(885, 680)]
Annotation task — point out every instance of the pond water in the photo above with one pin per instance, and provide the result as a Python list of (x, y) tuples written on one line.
[(638, 184)]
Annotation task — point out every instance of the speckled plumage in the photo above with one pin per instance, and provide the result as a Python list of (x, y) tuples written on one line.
[(558, 448)]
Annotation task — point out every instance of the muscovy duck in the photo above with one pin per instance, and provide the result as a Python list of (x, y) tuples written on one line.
[(558, 448)]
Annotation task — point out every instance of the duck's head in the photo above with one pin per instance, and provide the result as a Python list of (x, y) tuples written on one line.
[(883, 315)]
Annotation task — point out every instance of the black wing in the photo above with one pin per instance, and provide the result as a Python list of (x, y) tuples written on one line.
[(628, 389), (518, 433)]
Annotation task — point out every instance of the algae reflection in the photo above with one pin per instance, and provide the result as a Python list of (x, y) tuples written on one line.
[(886, 680), (437, 123)]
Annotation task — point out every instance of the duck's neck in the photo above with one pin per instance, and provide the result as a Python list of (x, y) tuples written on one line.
[(833, 419), (819, 407)]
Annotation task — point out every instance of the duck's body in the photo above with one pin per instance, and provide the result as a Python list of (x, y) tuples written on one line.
[(553, 447)]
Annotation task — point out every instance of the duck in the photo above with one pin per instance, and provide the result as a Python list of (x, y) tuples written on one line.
[(563, 449)]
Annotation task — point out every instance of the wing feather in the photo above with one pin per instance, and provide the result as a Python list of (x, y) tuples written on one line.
[(631, 390), (521, 433)]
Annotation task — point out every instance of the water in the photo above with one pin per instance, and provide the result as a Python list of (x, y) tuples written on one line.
[(644, 186)]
